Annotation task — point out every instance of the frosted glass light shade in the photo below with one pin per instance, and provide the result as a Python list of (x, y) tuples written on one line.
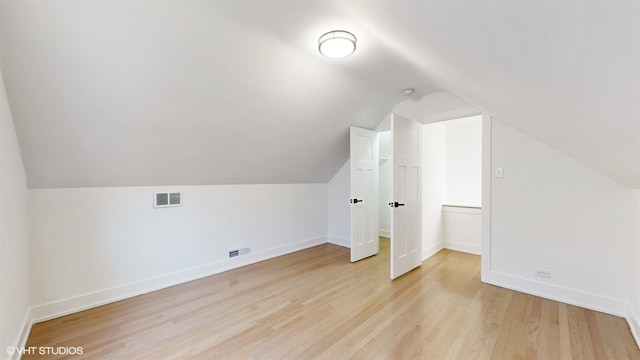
[(337, 44)]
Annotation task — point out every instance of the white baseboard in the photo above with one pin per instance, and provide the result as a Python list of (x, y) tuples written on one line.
[(384, 233), (462, 247), (431, 250), (21, 340), (634, 324), (559, 293), (86, 301), (337, 240)]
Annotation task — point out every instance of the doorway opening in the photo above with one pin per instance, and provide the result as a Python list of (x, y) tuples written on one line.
[(451, 186)]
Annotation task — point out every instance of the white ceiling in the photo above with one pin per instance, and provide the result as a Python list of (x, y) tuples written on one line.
[(114, 93)]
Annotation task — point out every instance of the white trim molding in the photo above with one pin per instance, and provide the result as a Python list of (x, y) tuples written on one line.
[(485, 247), (21, 340), (634, 324), (81, 302), (462, 247), (432, 250), (340, 241), (559, 293)]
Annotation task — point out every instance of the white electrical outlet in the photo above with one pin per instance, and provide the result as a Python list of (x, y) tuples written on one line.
[(543, 273)]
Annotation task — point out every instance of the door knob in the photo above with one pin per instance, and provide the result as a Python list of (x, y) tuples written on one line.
[(395, 204), (355, 201)]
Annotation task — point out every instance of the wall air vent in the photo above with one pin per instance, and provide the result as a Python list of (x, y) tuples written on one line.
[(243, 251), (167, 199)]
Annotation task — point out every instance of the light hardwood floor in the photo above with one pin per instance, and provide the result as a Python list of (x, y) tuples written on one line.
[(314, 304)]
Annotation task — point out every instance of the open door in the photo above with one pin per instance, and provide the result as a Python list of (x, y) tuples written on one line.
[(406, 222), (364, 193)]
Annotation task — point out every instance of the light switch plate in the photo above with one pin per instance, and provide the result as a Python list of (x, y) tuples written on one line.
[(499, 173)]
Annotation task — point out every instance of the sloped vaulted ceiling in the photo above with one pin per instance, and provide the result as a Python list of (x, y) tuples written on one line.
[(113, 93)]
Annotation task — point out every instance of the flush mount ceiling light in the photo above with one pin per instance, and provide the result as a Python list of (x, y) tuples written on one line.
[(337, 44)]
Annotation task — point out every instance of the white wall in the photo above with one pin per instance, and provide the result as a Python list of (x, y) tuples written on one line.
[(14, 237), (464, 161), (96, 245), (339, 217), (433, 186), (384, 181), (551, 212)]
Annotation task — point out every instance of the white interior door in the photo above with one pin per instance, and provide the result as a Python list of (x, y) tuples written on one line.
[(406, 226), (364, 193)]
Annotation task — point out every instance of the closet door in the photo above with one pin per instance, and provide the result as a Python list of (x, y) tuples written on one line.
[(406, 221), (364, 193)]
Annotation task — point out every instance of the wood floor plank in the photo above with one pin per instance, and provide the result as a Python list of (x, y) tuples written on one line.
[(581, 345), (565, 337), (315, 304)]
